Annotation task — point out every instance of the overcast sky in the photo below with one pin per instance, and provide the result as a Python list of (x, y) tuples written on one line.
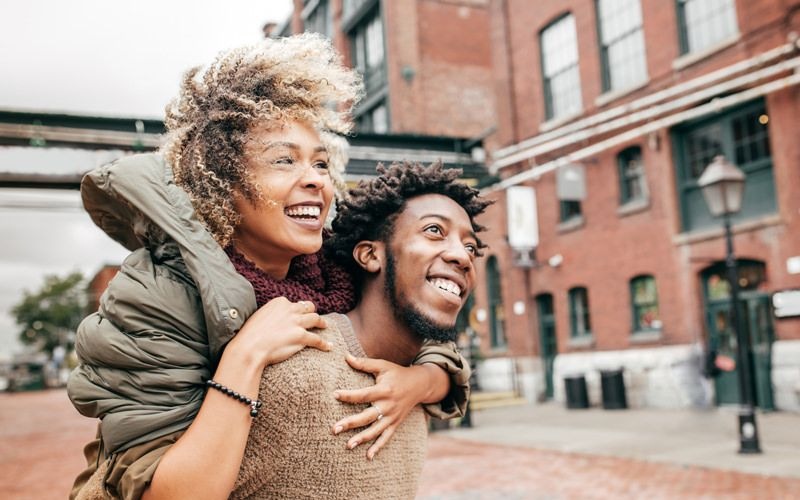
[(97, 57)]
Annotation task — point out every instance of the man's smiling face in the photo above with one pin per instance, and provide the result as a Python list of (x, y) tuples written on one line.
[(430, 268)]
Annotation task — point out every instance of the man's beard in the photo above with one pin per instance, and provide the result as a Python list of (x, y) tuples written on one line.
[(422, 326)]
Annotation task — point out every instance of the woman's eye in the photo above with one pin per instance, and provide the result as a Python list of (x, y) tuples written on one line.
[(284, 160), (472, 249), (321, 165)]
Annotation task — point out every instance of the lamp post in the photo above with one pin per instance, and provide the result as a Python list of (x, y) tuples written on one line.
[(723, 186)]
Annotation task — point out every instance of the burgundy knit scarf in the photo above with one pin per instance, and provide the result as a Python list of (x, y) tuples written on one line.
[(310, 277)]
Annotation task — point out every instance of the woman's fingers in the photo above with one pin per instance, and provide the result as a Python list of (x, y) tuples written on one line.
[(368, 434), (363, 395), (361, 419), (368, 365), (382, 440), (313, 340)]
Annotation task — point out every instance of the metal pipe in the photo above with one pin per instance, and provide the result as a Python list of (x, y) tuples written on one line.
[(653, 98), (649, 113), (714, 106)]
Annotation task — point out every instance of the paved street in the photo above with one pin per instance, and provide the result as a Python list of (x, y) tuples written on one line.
[(504, 456)]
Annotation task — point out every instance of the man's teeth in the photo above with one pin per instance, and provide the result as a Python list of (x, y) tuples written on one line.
[(303, 211), (446, 285)]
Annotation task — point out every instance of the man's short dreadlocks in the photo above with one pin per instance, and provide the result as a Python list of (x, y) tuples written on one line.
[(370, 210)]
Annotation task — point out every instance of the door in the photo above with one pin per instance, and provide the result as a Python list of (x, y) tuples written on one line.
[(757, 320), (547, 339)]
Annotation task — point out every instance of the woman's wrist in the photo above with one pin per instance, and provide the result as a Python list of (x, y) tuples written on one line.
[(437, 383), (243, 358)]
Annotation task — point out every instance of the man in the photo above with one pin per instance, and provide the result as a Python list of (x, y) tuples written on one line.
[(410, 237)]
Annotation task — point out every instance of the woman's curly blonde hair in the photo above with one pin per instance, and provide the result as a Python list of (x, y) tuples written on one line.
[(295, 78)]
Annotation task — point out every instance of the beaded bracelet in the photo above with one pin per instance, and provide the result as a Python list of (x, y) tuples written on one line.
[(254, 404)]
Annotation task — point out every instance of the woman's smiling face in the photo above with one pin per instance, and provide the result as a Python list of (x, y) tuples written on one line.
[(290, 166)]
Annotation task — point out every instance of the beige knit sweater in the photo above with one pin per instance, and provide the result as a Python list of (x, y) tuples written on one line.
[(290, 451)]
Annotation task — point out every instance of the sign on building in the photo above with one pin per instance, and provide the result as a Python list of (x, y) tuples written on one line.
[(523, 221), (571, 182), (786, 303)]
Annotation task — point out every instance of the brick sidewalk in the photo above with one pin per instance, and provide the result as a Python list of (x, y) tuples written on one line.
[(41, 437), (461, 470)]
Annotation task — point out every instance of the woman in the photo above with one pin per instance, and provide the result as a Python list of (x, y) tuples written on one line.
[(226, 278)]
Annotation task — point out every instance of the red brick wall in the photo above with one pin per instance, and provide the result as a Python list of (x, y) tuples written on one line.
[(610, 248), (446, 44)]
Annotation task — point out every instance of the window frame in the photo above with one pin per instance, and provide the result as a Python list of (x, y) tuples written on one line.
[(683, 29), (572, 295), (312, 9), (635, 308), (497, 326), (758, 174), (606, 69), (546, 85), (569, 210), (622, 159)]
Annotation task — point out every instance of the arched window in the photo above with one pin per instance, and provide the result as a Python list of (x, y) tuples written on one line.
[(579, 323), (644, 304), (497, 323)]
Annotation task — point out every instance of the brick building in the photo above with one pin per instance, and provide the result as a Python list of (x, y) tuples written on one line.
[(610, 110), (427, 64)]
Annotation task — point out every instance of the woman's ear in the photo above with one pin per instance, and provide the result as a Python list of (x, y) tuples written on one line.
[(368, 255)]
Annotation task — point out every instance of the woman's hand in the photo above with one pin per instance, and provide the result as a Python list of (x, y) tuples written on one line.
[(397, 390), (277, 331)]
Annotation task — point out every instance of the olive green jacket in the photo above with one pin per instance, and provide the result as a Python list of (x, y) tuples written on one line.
[(165, 318)]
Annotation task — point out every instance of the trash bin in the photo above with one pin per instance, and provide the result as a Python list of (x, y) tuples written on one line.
[(575, 386), (613, 387)]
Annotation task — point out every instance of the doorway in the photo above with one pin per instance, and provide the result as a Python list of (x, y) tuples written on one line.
[(756, 319), (547, 339)]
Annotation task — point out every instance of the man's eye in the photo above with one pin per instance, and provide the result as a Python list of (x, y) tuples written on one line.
[(434, 230), (472, 249)]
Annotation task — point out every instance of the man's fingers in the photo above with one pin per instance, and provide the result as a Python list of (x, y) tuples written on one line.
[(382, 440)]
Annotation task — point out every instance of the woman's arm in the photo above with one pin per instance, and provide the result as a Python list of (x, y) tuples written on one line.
[(204, 462), (439, 379)]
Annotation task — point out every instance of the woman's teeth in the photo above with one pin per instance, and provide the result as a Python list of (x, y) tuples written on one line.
[(303, 211)]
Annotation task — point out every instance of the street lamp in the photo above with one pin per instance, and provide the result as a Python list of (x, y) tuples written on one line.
[(723, 186)]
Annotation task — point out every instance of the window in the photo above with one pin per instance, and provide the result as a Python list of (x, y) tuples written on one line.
[(317, 18), (562, 85), (570, 210), (376, 120), (621, 43), (367, 50), (742, 136), (703, 23), (644, 304), (497, 323), (579, 312), (631, 175)]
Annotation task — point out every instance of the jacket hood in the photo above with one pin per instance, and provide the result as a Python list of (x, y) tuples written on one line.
[(136, 202)]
